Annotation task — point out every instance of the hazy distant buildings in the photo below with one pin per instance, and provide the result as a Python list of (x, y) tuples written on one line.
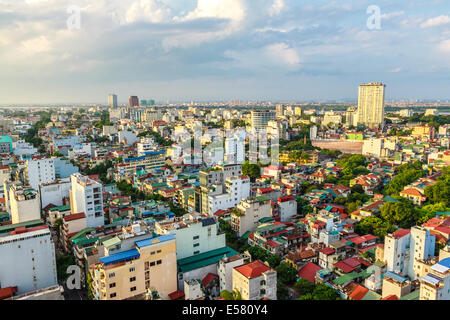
[(371, 104), (133, 101), (260, 119), (112, 100)]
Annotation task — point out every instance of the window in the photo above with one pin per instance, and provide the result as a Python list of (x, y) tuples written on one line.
[(159, 251), (196, 237), (196, 252), (159, 262), (152, 264), (196, 245), (112, 295), (112, 275), (132, 269), (133, 289), (132, 279), (112, 285), (152, 253)]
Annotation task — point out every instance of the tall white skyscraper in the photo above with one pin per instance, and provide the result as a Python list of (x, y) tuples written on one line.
[(112, 100), (86, 196), (371, 104)]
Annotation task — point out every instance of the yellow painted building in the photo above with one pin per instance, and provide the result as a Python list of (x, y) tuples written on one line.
[(149, 267)]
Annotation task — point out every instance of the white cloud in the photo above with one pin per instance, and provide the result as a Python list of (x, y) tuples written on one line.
[(234, 10), (149, 11), (36, 45), (396, 70), (391, 15), (277, 7), (444, 46), (281, 52), (435, 22)]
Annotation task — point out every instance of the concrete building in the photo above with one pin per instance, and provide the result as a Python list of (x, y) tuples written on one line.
[(146, 270), (112, 100), (194, 234), (127, 137), (22, 148), (245, 217), (287, 207), (39, 171), (86, 196), (236, 189), (23, 203), (403, 248), (255, 281), (54, 192), (371, 104), (395, 284), (260, 119), (436, 284), (225, 270), (27, 259)]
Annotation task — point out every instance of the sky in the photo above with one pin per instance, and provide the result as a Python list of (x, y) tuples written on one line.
[(218, 50)]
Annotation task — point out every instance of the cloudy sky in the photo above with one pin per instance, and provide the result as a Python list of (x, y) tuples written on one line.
[(182, 50)]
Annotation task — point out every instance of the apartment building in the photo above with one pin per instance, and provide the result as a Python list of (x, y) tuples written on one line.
[(236, 189), (143, 272), (436, 284), (194, 234), (38, 171), (245, 217), (23, 203), (404, 249), (27, 259), (255, 281), (86, 196)]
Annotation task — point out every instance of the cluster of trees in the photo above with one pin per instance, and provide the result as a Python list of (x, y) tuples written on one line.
[(404, 175), (240, 245), (399, 132), (434, 121), (303, 206), (251, 170), (352, 166), (101, 169), (160, 140), (311, 291), (104, 120), (62, 263), (355, 199), (440, 191)]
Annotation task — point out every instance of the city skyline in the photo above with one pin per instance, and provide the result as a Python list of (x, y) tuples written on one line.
[(205, 50)]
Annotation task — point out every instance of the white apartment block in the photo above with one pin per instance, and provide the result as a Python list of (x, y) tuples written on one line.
[(21, 148), (236, 189), (225, 271), (404, 247), (371, 104), (28, 260), (86, 196), (127, 137), (23, 203), (146, 145), (288, 207), (39, 171), (194, 234), (54, 192)]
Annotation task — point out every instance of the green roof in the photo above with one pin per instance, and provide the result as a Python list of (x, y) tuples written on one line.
[(60, 208), (371, 295), (112, 242), (412, 295), (82, 233), (245, 235), (262, 198), (204, 259), (83, 241)]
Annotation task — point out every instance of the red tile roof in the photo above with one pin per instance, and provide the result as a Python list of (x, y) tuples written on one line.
[(76, 216), (308, 272), (390, 297), (253, 269), (176, 295), (358, 293), (208, 278), (401, 233)]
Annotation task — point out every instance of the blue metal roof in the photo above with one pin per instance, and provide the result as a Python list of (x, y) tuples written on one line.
[(395, 276), (152, 241), (121, 256)]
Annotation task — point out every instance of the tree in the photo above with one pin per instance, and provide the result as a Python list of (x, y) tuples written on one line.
[(303, 287), (400, 214), (282, 291), (321, 292), (303, 206), (286, 273), (274, 260), (234, 295), (374, 225), (251, 170)]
